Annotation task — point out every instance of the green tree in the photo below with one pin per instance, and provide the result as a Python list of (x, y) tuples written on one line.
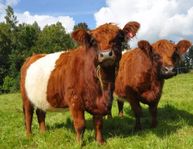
[(9, 84), (10, 18), (25, 39), (19, 41), (187, 61), (7, 39), (5, 50), (54, 38), (190, 56), (81, 25)]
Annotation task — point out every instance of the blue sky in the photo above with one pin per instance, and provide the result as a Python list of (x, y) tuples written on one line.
[(159, 19), (79, 10)]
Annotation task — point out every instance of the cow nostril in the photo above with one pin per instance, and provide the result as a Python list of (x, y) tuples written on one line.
[(101, 55), (110, 53), (168, 69), (164, 69)]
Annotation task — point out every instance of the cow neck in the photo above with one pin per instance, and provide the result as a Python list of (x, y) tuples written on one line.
[(156, 71), (96, 91), (97, 74), (105, 76), (155, 76)]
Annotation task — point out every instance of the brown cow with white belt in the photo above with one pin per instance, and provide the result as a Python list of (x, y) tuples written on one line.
[(81, 79), (142, 72)]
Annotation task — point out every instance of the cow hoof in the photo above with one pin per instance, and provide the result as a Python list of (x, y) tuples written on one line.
[(28, 135), (101, 141), (42, 131)]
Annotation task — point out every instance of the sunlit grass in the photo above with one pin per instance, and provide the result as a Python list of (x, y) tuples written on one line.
[(175, 128)]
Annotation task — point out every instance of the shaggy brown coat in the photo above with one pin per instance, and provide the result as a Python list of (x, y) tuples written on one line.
[(79, 82), (142, 72)]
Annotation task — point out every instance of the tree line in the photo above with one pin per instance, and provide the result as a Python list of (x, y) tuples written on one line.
[(19, 41)]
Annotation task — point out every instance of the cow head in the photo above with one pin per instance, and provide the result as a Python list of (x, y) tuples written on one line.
[(169, 55), (106, 41), (166, 55)]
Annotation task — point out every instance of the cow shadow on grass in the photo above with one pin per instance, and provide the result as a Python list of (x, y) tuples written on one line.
[(111, 127), (170, 119), (68, 124)]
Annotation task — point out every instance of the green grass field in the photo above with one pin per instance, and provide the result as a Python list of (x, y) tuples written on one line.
[(175, 128)]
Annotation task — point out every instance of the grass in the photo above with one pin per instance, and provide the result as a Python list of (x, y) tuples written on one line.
[(175, 128)]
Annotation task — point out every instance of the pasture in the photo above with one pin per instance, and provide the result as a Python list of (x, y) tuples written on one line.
[(175, 124)]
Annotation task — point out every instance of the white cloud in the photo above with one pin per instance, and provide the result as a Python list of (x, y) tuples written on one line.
[(44, 20), (12, 2), (170, 19), (183, 24)]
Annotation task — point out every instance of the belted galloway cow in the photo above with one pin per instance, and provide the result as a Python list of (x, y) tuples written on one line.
[(80, 79)]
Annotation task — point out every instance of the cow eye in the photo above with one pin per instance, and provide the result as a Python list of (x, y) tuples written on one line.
[(93, 42), (112, 43), (156, 57)]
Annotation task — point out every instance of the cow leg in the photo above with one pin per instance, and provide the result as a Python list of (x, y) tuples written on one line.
[(41, 120), (28, 115), (120, 107), (153, 112), (109, 115), (79, 123), (98, 123), (137, 112)]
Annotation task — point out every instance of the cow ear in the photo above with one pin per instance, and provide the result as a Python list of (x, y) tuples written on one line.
[(182, 46), (130, 29), (81, 36), (145, 46)]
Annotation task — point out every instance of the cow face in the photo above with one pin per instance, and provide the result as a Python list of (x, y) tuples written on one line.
[(107, 41), (168, 55)]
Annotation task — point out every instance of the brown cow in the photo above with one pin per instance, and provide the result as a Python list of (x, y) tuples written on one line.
[(142, 72), (81, 79)]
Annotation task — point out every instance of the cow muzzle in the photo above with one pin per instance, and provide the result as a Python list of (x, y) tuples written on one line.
[(168, 72), (106, 58)]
